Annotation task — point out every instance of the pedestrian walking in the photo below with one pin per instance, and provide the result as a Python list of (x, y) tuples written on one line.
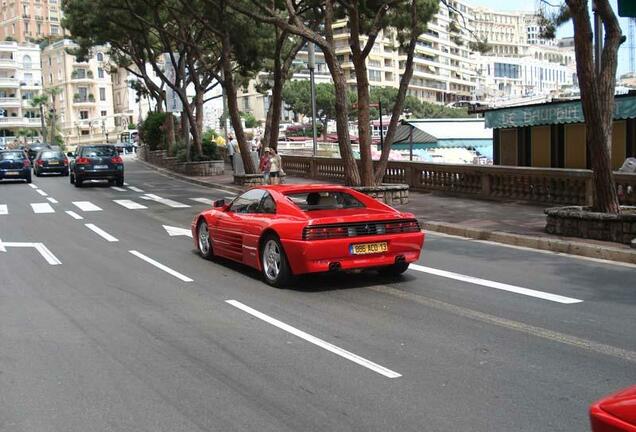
[(264, 165), (231, 149), (275, 166)]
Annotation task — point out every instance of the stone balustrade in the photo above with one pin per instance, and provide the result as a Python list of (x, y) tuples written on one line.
[(541, 185)]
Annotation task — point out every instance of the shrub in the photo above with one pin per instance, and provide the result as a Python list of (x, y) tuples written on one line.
[(152, 130)]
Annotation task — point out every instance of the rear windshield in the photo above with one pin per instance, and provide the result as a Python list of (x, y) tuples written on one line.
[(98, 151), (16, 155), (51, 154), (324, 200)]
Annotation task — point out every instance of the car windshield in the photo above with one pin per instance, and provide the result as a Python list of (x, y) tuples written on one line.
[(98, 151), (11, 155), (324, 200), (51, 154)]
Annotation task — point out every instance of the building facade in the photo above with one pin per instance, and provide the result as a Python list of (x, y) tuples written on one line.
[(26, 20), (20, 82), (84, 106)]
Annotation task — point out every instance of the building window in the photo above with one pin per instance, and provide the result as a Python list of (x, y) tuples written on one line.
[(375, 75), (84, 115), (100, 57), (103, 113), (54, 30), (102, 94), (26, 62), (100, 73)]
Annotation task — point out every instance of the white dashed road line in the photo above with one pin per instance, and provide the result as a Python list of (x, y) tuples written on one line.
[(160, 266), (129, 204), (316, 341), (135, 189), (206, 201), (4, 210), (74, 215), (33, 186), (41, 192), (166, 201), (496, 285), (118, 189), (100, 232), (42, 208), (53, 200), (86, 206)]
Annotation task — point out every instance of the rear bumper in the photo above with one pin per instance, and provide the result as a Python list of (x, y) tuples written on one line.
[(8, 174), (55, 168), (84, 174), (316, 256)]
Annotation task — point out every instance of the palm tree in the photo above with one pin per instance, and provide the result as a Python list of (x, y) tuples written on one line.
[(40, 101)]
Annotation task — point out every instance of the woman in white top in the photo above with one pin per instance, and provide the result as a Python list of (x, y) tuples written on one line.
[(275, 167)]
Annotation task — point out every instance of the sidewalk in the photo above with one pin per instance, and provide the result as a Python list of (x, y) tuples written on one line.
[(512, 223)]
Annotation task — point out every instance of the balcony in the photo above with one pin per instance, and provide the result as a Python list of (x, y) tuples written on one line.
[(6, 122), (9, 102), (84, 100), (8, 63), (30, 84), (9, 83)]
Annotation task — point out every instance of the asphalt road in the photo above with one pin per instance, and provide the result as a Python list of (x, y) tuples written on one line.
[(478, 337)]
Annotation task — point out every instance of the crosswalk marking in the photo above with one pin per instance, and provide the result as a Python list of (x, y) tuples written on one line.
[(100, 232), (73, 215), (125, 184), (53, 200), (166, 201), (41, 192), (129, 204), (33, 186), (207, 201), (135, 189), (118, 189), (42, 208), (4, 209), (86, 206)]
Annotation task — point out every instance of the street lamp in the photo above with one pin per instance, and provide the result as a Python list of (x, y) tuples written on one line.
[(311, 65)]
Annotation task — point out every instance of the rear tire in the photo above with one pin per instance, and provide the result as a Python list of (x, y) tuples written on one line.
[(72, 178), (36, 172), (120, 182), (28, 178), (65, 173), (204, 241), (78, 183), (275, 267), (394, 270)]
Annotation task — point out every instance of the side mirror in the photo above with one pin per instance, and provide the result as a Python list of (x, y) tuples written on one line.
[(70, 154), (219, 203)]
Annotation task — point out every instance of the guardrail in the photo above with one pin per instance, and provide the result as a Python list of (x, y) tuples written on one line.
[(541, 185)]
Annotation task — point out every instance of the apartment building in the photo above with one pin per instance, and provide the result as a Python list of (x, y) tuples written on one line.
[(20, 81), (26, 20), (84, 107)]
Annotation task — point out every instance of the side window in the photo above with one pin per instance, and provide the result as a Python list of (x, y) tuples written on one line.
[(267, 204), (248, 202)]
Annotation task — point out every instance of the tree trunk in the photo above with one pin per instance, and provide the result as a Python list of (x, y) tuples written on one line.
[(169, 128), (232, 105), (185, 130), (597, 96), (198, 104), (364, 119), (399, 103), (43, 131), (275, 107)]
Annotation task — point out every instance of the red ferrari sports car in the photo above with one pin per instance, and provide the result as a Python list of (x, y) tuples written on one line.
[(615, 413), (290, 230)]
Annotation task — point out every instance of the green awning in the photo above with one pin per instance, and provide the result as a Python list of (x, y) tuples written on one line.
[(553, 113)]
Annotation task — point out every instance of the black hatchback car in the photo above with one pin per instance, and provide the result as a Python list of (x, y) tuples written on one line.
[(36, 148), (50, 161), (15, 165), (97, 162)]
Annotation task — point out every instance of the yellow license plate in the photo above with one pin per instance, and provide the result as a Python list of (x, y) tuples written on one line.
[(368, 248), (54, 163)]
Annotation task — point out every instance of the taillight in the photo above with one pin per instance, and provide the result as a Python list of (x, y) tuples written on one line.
[(82, 161), (402, 227), (65, 161), (323, 233), (117, 160), (27, 163), (39, 162)]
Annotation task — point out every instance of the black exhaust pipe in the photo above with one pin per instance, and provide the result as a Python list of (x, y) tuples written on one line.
[(334, 266), (399, 259)]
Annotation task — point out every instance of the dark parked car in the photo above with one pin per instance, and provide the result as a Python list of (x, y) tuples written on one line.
[(97, 162), (14, 165), (34, 149), (50, 161)]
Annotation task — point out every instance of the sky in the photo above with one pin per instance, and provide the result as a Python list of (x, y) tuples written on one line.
[(565, 30)]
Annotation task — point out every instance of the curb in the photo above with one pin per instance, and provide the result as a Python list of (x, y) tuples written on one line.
[(187, 179), (542, 243)]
